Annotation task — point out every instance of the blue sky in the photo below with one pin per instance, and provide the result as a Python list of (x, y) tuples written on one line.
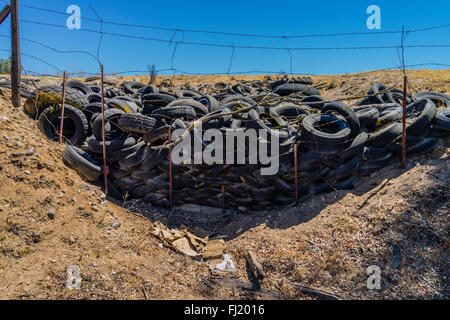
[(255, 17)]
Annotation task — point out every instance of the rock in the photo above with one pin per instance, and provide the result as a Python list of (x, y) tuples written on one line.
[(51, 213), (103, 196), (115, 225), (95, 208), (31, 151), (73, 199), (27, 172)]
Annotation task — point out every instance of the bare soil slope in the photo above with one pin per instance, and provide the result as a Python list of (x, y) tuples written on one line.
[(51, 219)]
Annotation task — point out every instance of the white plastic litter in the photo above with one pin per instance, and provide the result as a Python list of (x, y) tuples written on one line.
[(226, 265)]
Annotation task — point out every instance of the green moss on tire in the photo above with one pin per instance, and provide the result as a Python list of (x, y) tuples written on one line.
[(48, 96)]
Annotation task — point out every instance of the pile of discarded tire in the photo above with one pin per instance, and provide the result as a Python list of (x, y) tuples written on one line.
[(336, 143)]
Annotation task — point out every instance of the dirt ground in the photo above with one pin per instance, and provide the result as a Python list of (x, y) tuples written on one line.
[(51, 219)]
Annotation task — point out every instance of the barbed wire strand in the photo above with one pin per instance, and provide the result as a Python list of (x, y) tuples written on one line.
[(129, 36)]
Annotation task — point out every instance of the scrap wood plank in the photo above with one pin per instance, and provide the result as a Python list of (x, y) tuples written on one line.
[(314, 292), (255, 266)]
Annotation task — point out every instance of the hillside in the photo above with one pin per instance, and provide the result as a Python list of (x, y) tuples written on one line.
[(51, 219)]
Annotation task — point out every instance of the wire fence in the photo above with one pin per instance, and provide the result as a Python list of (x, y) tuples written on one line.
[(173, 70), (174, 45)]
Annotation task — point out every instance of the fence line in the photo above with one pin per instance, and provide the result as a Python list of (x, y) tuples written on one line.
[(235, 34), (177, 71)]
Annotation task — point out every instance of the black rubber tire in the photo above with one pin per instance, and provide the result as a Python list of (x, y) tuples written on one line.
[(135, 159), (209, 102), (356, 147), (436, 97), (422, 148), (388, 116), (289, 109), (154, 159), (242, 88), (324, 142), (186, 94), (137, 123), (427, 110), (81, 162), (332, 162), (385, 135), (149, 90), (161, 133), (96, 89), (345, 170), (397, 146), (114, 145), (114, 156), (301, 80), (76, 125), (264, 97), (258, 124), (112, 116), (125, 105), (366, 170), (51, 95), (80, 86), (314, 101), (199, 108), (442, 120), (297, 88), (380, 162), (94, 97), (131, 87), (117, 173), (93, 108), (156, 100), (236, 98), (368, 117), (176, 112), (372, 153), (347, 113), (378, 87), (346, 184)]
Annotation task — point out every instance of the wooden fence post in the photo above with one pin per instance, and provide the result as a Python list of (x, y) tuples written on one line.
[(15, 57), (5, 13)]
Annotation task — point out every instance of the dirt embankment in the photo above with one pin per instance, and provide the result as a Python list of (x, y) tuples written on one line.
[(51, 219)]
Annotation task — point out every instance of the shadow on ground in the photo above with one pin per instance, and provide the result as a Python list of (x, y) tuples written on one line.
[(231, 226)]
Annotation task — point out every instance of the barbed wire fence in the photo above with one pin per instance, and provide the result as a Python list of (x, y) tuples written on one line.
[(173, 70), (175, 44)]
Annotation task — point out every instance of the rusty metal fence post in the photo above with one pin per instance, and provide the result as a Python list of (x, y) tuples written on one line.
[(170, 171), (105, 167), (405, 84), (296, 171), (61, 125)]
